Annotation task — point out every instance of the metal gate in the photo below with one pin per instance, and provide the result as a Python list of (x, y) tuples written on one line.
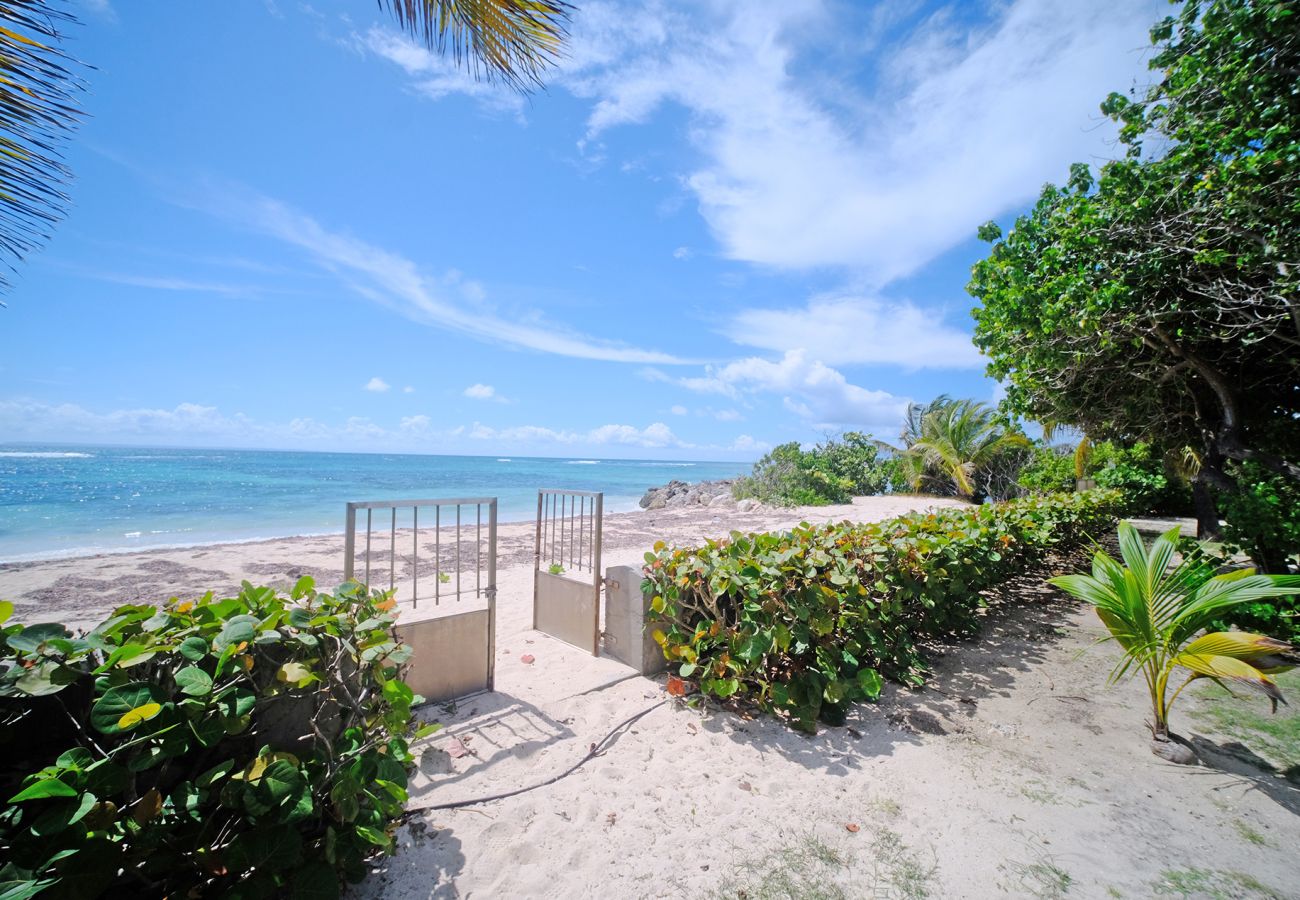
[(440, 556), (566, 569)]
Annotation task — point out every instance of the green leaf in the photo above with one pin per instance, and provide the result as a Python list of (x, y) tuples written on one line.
[(237, 630), (314, 881), (30, 638), (870, 683), (42, 790), (108, 713), (194, 648), (6, 610), (425, 730), (194, 682)]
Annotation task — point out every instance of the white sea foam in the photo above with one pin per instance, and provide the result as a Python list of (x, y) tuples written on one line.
[(504, 459), (583, 462), (43, 454)]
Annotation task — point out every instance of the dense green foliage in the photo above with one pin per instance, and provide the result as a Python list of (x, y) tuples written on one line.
[(834, 471), (804, 622), (1156, 609), (1155, 300), (1264, 518), (958, 447), (1147, 480), (1048, 470), (252, 746)]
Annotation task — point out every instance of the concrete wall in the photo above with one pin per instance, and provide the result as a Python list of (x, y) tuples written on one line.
[(627, 639)]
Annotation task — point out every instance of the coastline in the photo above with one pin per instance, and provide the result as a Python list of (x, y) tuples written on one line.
[(80, 590)]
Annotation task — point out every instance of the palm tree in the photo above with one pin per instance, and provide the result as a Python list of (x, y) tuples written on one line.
[(513, 41), (951, 443)]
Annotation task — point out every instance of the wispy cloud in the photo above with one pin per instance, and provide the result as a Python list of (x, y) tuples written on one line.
[(378, 385), (961, 122), (449, 301), (170, 283), (963, 117), (849, 329), (436, 75)]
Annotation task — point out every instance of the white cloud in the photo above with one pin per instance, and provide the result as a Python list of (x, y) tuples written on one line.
[(450, 302), (436, 75), (960, 124), (656, 435), (809, 388), (679, 410), (484, 392), (682, 253), (191, 424), (378, 385), (408, 390), (849, 330)]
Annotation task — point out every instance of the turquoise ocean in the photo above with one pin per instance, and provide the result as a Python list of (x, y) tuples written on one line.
[(65, 500)]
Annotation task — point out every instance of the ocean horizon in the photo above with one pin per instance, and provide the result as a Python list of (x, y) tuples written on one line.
[(59, 500)]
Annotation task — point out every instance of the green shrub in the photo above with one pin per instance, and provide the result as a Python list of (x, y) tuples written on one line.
[(1263, 518), (832, 472), (253, 746), (804, 622), (1048, 471)]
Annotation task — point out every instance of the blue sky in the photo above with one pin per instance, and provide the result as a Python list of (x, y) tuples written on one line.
[(724, 225)]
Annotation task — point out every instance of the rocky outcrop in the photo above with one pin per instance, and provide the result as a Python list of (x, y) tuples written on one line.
[(679, 494)]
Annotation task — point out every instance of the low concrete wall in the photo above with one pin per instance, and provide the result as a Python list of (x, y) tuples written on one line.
[(627, 639)]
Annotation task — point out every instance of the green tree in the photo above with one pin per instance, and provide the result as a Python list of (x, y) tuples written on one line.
[(513, 41), (954, 446), (1158, 299)]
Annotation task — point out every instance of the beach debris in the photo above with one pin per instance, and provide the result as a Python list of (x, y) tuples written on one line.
[(692, 728), (675, 687), (456, 749), (853, 828), (747, 787), (528, 659), (611, 819)]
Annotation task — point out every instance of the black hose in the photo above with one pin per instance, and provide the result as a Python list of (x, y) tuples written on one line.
[(595, 751)]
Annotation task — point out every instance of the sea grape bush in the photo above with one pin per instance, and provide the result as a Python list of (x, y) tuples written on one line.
[(834, 471), (251, 746), (804, 622)]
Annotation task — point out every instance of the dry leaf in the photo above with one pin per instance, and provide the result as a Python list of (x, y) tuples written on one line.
[(746, 786), (455, 749), (527, 659), (676, 687)]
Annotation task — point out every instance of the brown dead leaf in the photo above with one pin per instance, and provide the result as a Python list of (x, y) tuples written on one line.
[(147, 807), (675, 687)]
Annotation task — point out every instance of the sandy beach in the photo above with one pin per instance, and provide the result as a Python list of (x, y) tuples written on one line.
[(1015, 772)]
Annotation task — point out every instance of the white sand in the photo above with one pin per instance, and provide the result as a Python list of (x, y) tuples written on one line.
[(1017, 773)]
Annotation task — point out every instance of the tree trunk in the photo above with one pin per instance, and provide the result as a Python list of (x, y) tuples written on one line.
[(1207, 513)]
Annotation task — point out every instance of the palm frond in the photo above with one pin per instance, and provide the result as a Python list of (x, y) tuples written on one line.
[(38, 108), (513, 40)]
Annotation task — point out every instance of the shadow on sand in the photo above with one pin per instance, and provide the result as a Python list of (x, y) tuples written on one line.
[(1022, 623)]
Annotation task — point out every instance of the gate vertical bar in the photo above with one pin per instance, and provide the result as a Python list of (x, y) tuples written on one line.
[(492, 595), (537, 552), (350, 543), (597, 579)]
